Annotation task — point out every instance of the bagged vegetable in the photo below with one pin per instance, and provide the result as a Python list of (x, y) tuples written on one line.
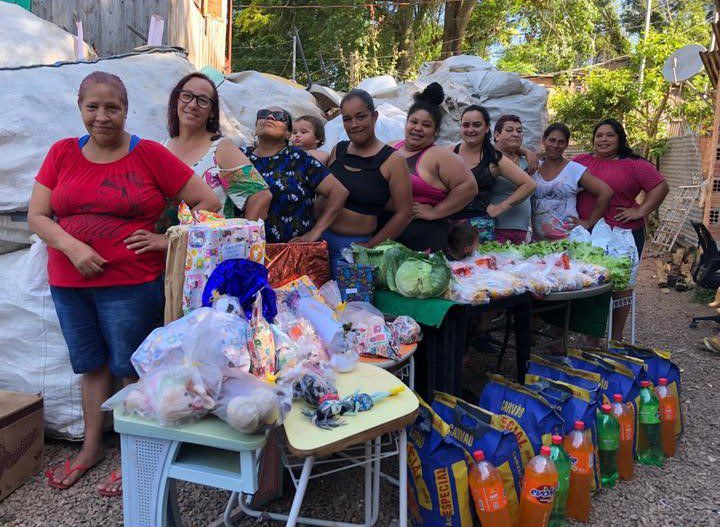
[(251, 405), (376, 258)]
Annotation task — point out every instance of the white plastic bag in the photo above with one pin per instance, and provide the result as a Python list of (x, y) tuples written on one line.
[(251, 405), (617, 242), (579, 234), (369, 334), (33, 355)]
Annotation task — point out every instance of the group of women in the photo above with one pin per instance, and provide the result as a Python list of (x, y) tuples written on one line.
[(97, 200)]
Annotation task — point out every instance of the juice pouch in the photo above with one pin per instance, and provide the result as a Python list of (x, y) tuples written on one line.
[(472, 429), (659, 364), (528, 415), (574, 404), (438, 483)]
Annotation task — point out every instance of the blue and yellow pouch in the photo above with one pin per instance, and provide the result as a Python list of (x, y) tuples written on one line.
[(564, 372), (438, 483), (659, 364), (573, 404), (472, 429), (526, 414)]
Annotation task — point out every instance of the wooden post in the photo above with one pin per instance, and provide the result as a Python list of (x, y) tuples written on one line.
[(712, 159)]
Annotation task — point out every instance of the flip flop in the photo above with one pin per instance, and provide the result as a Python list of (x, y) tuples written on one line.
[(58, 484), (112, 478), (712, 344)]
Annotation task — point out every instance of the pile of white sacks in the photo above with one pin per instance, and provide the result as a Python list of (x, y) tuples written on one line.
[(38, 94)]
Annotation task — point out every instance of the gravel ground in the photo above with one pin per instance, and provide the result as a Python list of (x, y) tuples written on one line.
[(682, 494)]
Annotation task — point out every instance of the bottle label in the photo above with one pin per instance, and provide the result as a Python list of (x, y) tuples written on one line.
[(581, 464), (490, 499), (608, 443), (668, 412), (626, 431), (649, 415), (543, 494)]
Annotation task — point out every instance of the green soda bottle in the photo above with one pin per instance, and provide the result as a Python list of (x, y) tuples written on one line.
[(649, 451), (608, 431), (562, 464)]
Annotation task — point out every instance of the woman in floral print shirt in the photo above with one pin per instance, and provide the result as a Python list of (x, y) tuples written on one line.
[(295, 179)]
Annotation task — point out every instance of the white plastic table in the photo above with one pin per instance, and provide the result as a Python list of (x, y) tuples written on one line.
[(208, 452)]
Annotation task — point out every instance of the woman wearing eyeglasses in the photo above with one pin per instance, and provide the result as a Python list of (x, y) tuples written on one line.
[(295, 180), (194, 128)]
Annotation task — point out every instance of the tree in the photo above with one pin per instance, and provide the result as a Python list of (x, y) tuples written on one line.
[(457, 16), (644, 109)]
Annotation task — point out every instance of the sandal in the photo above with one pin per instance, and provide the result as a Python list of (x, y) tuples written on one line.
[(58, 484), (112, 478)]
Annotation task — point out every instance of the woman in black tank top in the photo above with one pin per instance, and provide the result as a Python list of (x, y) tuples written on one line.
[(486, 164), (374, 175)]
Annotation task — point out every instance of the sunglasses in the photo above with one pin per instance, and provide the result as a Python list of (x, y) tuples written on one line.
[(275, 115), (202, 101)]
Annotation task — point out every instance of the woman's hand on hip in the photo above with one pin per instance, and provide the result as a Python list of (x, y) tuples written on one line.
[(142, 241), (423, 211), (86, 260), (628, 214)]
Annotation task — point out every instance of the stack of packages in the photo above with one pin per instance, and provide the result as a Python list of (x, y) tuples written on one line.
[(241, 340), (599, 409)]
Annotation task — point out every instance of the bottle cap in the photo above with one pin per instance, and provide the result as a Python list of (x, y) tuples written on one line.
[(545, 451), (479, 455), (579, 425), (662, 381), (644, 384), (606, 408), (617, 398), (557, 440)]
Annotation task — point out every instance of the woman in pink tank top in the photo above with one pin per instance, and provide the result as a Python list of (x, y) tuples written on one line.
[(441, 183)]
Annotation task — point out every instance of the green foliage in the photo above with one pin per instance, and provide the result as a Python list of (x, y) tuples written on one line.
[(644, 109)]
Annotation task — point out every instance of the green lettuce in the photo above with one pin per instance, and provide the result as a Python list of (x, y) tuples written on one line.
[(422, 276)]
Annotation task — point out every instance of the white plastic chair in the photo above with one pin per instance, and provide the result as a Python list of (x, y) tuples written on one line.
[(622, 302)]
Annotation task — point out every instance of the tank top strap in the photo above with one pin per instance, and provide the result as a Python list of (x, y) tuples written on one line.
[(457, 149)]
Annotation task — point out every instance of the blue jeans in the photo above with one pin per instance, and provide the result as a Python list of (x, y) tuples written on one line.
[(336, 243), (105, 325)]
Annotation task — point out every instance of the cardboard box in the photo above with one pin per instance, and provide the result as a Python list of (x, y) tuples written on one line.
[(21, 439)]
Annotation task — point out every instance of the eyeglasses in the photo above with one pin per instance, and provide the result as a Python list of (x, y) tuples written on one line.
[(275, 115), (202, 101)]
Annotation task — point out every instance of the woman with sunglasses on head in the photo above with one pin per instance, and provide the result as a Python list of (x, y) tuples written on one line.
[(295, 179), (628, 175), (194, 128), (441, 183)]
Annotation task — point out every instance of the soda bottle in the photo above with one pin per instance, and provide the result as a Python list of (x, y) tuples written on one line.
[(668, 415), (624, 415), (608, 430), (488, 493), (539, 486), (579, 447), (648, 450), (562, 465)]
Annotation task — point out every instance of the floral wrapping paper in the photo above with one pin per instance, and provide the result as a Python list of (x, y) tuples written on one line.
[(213, 242), (356, 282)]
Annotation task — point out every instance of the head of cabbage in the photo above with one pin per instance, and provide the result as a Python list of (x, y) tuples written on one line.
[(421, 276)]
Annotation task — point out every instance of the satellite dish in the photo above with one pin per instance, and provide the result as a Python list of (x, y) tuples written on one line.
[(683, 64)]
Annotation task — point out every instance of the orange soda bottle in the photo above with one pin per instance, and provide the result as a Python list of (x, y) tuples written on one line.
[(625, 460), (486, 486), (539, 486), (668, 416), (578, 445)]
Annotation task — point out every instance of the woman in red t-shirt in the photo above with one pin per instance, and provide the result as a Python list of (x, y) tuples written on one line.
[(627, 174), (93, 199)]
